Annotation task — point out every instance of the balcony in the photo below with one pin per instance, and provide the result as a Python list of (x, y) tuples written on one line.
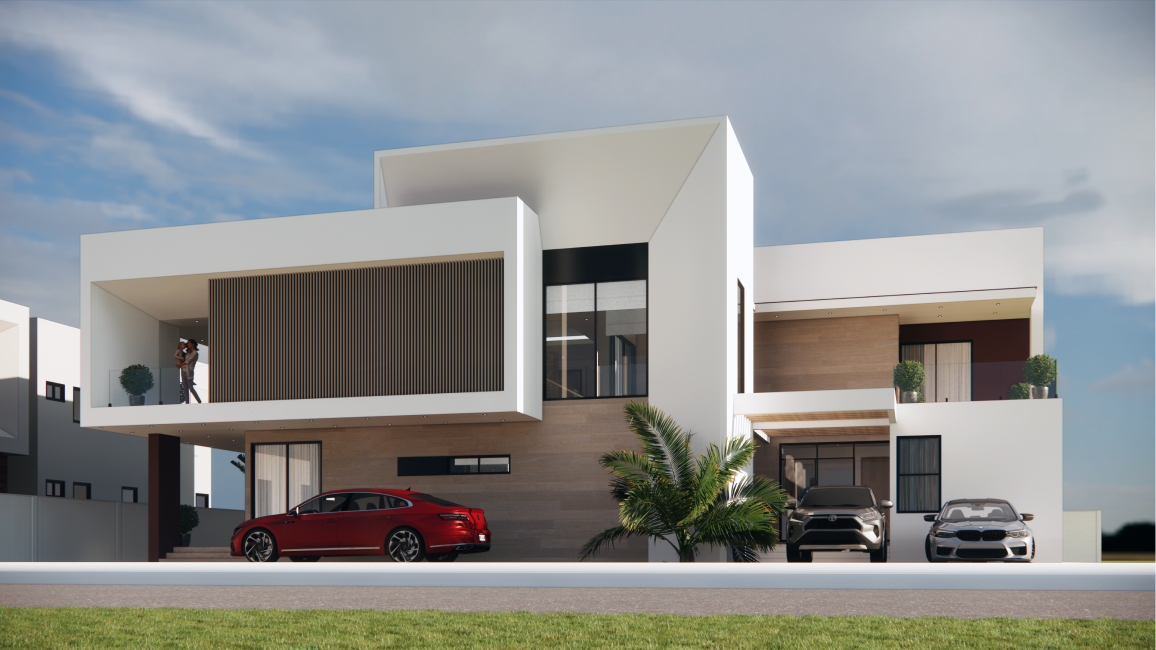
[(973, 382)]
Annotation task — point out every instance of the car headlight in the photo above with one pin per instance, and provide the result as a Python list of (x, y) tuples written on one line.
[(945, 533), (798, 515), (869, 516), (1019, 533)]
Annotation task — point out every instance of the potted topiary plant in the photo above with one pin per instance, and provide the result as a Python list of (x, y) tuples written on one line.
[(1020, 391), (909, 376), (136, 380), (189, 519), (1040, 372)]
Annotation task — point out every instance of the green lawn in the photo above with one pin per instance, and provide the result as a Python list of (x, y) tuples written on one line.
[(207, 628)]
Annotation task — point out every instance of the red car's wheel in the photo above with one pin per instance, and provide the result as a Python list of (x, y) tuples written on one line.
[(405, 545), (259, 546)]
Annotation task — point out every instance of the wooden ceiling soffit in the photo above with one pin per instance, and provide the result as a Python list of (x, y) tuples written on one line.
[(828, 431), (819, 416)]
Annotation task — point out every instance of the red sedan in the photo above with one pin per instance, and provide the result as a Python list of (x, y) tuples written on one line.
[(406, 526)]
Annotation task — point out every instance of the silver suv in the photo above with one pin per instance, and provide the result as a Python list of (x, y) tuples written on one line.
[(837, 519)]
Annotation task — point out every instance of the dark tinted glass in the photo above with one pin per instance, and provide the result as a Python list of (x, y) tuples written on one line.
[(328, 503), (361, 501), (395, 502), (978, 511), (436, 501), (848, 497)]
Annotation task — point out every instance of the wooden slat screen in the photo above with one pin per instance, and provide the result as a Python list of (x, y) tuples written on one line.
[(392, 330)]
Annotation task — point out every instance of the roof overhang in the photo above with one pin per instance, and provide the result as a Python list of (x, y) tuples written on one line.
[(865, 412), (585, 186), (953, 306)]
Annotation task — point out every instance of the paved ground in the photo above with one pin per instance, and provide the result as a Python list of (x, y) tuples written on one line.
[(1137, 605)]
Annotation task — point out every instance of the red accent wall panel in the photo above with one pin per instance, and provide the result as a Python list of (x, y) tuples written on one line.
[(998, 348)]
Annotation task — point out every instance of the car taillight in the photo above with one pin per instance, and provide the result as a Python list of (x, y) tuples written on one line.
[(453, 516)]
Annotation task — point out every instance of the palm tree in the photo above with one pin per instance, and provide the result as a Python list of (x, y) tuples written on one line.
[(669, 495)]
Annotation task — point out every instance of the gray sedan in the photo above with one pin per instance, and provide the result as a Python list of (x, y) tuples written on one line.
[(979, 530)]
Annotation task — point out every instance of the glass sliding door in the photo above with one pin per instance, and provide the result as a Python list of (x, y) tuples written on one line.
[(622, 338), (284, 475), (946, 366)]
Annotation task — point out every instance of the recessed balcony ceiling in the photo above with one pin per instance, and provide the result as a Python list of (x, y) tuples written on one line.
[(959, 306)]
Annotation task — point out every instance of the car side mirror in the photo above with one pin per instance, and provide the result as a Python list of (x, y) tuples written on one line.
[(928, 517), (1026, 517), (886, 504), (291, 513), (791, 505)]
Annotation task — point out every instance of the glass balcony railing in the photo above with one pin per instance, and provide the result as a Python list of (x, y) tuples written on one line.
[(975, 382), (153, 386)]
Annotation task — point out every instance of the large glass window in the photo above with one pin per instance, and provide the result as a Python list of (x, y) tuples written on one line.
[(835, 463), (946, 366), (596, 340), (917, 473), (284, 475)]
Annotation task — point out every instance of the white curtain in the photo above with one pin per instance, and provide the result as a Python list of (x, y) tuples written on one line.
[(304, 472), (953, 372), (925, 354), (268, 480)]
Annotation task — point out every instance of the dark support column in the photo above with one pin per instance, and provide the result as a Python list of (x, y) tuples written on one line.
[(164, 494)]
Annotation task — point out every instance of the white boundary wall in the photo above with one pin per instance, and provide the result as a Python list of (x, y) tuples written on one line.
[(1083, 536), (53, 529), (1011, 449)]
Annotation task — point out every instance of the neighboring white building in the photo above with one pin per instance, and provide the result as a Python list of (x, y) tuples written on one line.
[(504, 299)]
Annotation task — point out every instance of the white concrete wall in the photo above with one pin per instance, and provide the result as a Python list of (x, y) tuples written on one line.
[(216, 526), (1009, 450), (65, 451), (203, 472), (1083, 536), (907, 266), (124, 336), (740, 212), (49, 529), (116, 334), (14, 370)]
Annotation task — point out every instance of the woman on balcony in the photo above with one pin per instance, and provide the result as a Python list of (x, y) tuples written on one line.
[(187, 368)]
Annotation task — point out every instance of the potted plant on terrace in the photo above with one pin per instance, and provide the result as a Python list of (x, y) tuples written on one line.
[(1040, 372), (136, 380), (189, 519), (909, 376), (1020, 391)]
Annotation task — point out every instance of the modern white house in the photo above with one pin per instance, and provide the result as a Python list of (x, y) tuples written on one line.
[(476, 334), (49, 463)]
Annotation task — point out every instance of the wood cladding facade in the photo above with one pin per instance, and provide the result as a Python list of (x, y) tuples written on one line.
[(555, 498), (408, 329), (826, 353)]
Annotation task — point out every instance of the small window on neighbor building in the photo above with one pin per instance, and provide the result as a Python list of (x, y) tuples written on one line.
[(76, 404), (128, 494), (53, 391), (202, 500), (81, 490), (53, 488)]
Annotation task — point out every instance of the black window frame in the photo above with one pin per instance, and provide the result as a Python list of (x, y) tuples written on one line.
[(51, 389), (443, 465), (742, 384), (76, 404), (252, 475), (899, 501), (52, 483), (595, 265), (198, 495), (87, 489), (135, 494)]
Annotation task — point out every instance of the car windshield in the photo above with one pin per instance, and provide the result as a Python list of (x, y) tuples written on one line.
[(436, 501), (840, 497), (978, 511)]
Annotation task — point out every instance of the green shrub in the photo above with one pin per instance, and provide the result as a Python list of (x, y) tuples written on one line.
[(189, 518), (1040, 370), (1020, 391), (909, 375), (136, 379)]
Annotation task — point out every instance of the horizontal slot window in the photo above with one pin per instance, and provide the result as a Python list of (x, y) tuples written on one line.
[(444, 465)]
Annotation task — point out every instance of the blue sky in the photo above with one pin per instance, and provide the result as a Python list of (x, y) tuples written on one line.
[(865, 119)]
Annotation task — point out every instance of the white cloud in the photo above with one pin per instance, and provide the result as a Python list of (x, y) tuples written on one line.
[(862, 119), (1139, 380)]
